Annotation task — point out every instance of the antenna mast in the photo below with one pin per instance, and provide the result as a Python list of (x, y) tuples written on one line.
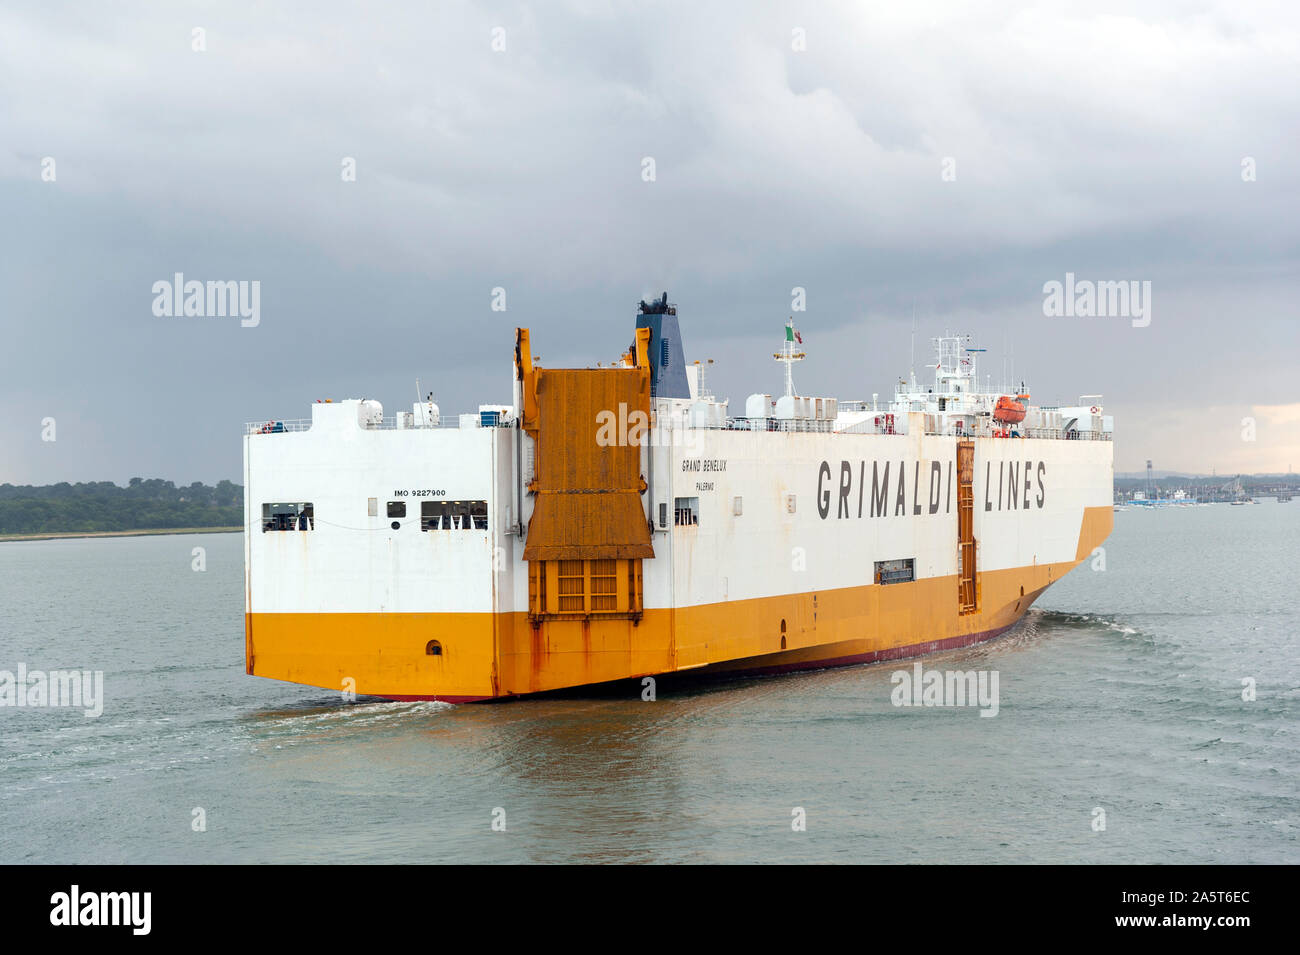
[(789, 356)]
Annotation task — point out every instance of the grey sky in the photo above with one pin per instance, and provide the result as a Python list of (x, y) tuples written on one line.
[(1101, 139)]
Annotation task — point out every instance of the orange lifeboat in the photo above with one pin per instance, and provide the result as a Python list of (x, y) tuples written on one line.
[(1010, 410)]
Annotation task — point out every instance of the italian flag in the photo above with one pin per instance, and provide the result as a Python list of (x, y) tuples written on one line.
[(791, 335)]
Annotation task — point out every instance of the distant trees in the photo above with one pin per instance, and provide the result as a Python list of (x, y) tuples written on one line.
[(144, 504), (227, 494)]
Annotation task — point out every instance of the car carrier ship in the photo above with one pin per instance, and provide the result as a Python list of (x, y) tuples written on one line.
[(620, 522)]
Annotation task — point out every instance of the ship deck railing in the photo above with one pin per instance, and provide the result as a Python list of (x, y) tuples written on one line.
[(402, 422), (826, 426), (277, 426)]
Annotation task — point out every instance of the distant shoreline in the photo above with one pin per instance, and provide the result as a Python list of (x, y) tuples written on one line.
[(143, 532)]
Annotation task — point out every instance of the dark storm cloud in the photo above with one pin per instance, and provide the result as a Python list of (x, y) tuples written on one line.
[(1106, 141)]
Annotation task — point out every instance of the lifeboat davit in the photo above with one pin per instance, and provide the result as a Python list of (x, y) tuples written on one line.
[(1010, 410)]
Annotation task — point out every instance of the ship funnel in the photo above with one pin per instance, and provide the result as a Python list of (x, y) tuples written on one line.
[(667, 360)]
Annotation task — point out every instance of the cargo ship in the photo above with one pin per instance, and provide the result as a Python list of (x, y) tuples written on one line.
[(620, 521)]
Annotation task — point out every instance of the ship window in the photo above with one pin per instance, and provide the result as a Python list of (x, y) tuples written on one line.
[(396, 508), (663, 514), (288, 517), (895, 571), (686, 511), (433, 648), (453, 516)]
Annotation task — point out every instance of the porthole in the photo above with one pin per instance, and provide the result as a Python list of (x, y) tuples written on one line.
[(433, 648), (396, 524)]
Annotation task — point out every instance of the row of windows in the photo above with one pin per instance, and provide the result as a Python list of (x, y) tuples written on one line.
[(465, 515), (434, 515)]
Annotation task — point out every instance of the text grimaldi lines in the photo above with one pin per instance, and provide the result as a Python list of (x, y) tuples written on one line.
[(879, 489)]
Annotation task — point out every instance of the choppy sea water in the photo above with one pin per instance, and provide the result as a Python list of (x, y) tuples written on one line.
[(1121, 691)]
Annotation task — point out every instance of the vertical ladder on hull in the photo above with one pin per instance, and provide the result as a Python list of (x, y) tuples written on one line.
[(966, 596)]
